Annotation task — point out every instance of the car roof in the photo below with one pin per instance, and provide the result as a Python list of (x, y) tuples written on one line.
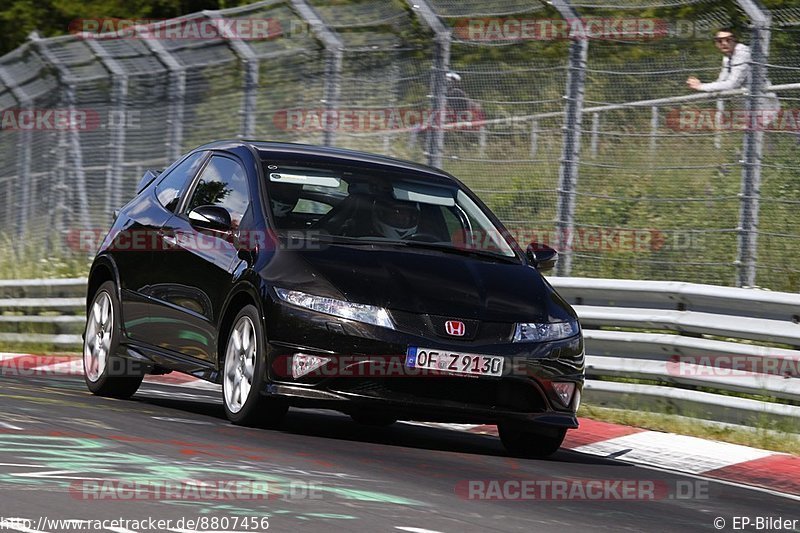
[(266, 149)]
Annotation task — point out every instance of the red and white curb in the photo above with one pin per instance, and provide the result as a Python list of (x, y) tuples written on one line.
[(777, 472)]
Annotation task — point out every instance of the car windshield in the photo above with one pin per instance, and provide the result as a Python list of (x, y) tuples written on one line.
[(358, 206)]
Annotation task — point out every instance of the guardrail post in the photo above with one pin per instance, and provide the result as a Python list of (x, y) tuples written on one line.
[(24, 142), (570, 154), (249, 62), (176, 89), (73, 136), (334, 50), (441, 65), (119, 101), (753, 145)]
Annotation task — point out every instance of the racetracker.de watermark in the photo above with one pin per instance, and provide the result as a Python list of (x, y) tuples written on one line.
[(169, 489), (733, 365), (245, 29), (710, 119), (365, 120), (633, 490), (544, 29), (67, 119)]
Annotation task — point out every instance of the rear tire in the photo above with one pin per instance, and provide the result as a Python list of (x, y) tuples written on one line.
[(525, 443), (244, 374), (105, 373)]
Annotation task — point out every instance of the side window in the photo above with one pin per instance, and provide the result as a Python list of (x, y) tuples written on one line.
[(175, 182), (224, 183)]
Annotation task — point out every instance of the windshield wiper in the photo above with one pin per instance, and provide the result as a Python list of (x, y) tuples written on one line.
[(371, 241), (458, 250)]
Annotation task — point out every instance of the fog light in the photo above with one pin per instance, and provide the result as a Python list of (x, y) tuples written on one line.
[(303, 364), (565, 390)]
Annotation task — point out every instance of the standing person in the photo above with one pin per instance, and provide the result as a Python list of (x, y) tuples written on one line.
[(735, 74)]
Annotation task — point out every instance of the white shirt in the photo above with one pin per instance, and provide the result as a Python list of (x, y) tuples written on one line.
[(735, 72)]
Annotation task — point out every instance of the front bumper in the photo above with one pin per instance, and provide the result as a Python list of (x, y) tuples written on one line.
[(366, 371)]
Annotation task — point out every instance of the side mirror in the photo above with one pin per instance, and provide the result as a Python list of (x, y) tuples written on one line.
[(147, 179), (210, 217), (541, 256)]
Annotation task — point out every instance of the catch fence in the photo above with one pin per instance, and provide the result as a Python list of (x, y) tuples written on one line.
[(571, 119)]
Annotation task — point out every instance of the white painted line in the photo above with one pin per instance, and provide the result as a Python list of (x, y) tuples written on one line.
[(183, 420), (442, 425), (56, 474), (6, 355), (66, 367), (416, 529), (19, 524), (676, 452), (9, 426), (177, 530)]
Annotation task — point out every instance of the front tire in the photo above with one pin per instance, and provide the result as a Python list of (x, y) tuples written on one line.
[(525, 443), (105, 373), (244, 374)]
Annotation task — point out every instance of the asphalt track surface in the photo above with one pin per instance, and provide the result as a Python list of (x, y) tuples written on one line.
[(65, 454)]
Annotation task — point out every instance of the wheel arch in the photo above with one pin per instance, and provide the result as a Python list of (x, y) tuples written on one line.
[(103, 269), (242, 294)]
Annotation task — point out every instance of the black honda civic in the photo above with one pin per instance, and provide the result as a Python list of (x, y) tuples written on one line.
[(297, 275)]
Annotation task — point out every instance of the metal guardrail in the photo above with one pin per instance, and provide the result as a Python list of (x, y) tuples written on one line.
[(706, 341), (687, 347)]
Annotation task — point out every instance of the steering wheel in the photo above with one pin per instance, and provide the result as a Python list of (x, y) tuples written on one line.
[(425, 237)]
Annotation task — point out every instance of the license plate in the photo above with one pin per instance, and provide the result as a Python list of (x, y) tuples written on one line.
[(452, 362)]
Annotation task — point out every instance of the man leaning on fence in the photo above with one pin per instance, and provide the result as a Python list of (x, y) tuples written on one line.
[(735, 74)]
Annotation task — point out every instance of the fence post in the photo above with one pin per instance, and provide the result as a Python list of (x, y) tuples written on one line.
[(334, 51), (250, 64), (595, 133), (570, 154), (717, 120), (73, 137), (653, 130), (753, 145), (176, 89), (116, 132), (534, 137), (441, 65), (25, 140)]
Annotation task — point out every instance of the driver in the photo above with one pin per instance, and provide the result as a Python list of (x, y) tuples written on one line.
[(283, 198), (395, 219)]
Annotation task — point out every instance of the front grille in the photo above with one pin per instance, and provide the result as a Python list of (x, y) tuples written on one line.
[(500, 394), (425, 325)]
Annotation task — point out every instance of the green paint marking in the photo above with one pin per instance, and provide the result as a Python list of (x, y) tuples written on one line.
[(370, 496), (152, 320), (92, 458), (41, 444), (192, 336)]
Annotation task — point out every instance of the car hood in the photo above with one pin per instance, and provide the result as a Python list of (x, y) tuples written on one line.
[(421, 281)]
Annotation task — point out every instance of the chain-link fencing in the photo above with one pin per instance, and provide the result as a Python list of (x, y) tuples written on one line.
[(572, 120)]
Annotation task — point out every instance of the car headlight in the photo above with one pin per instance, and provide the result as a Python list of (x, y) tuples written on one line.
[(547, 331), (359, 312)]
